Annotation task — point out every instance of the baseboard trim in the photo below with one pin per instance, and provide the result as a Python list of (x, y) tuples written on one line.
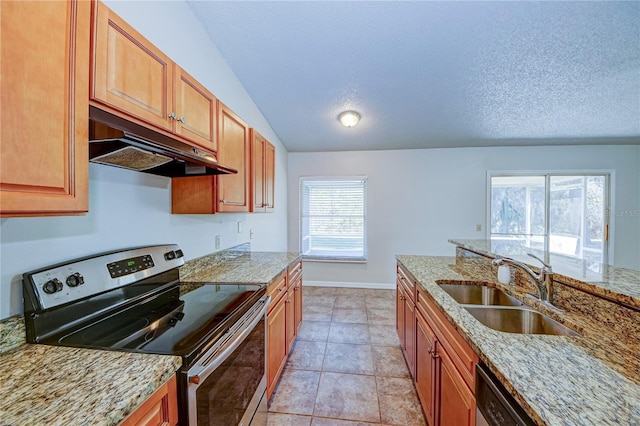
[(378, 286)]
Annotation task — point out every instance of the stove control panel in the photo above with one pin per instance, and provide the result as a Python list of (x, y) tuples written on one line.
[(82, 278)]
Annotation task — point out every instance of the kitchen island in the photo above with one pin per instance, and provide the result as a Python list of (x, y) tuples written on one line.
[(558, 380)]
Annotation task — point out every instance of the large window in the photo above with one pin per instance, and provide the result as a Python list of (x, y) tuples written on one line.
[(333, 218), (563, 214)]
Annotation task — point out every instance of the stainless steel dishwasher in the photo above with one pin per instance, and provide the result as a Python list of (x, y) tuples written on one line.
[(494, 405)]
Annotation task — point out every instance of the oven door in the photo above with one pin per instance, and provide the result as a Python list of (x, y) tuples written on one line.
[(227, 386)]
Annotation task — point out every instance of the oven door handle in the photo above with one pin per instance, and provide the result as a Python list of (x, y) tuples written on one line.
[(199, 373)]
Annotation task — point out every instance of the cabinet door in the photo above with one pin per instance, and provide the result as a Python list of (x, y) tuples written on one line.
[(44, 116), (233, 151), (161, 409), (276, 344), (425, 376), (129, 73), (410, 334), (195, 109), (291, 316), (400, 314), (457, 401), (258, 144), (269, 176), (298, 304)]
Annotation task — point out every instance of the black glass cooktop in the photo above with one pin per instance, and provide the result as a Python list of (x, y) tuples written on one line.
[(168, 323)]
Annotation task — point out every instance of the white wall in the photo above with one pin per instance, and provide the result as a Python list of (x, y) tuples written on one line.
[(418, 199), (129, 208)]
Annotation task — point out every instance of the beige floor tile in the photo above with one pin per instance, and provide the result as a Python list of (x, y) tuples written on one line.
[(307, 355), (279, 419), (349, 333), (317, 313), (318, 300), (388, 361), (357, 316), (349, 302), (318, 291), (296, 392), (348, 397), (316, 331), (348, 291), (348, 358), (380, 303), (322, 421), (399, 403), (381, 316), (383, 334), (386, 294)]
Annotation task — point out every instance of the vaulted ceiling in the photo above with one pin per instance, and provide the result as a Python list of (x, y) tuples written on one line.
[(435, 74)]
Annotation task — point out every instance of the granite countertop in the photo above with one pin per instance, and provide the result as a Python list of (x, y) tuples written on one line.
[(237, 265), (46, 385), (611, 282), (43, 384), (555, 378)]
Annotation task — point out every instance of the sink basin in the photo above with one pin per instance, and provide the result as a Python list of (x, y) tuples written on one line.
[(478, 294), (518, 319)]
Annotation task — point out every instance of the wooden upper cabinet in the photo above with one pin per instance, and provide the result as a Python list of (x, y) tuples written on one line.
[(233, 151), (133, 79), (44, 62), (129, 73), (195, 109), (269, 176), (263, 155)]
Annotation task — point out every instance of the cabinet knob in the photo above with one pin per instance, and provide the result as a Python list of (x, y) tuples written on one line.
[(223, 201), (173, 116), (181, 119)]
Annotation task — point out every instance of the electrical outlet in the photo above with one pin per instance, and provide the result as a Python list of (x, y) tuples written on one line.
[(478, 227), (251, 234), (239, 227), (217, 241)]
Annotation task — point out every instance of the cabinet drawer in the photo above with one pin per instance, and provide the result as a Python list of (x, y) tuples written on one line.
[(295, 272), (277, 289), (461, 354), (161, 409), (405, 279)]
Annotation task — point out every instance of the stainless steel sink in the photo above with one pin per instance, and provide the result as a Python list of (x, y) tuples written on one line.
[(479, 294), (518, 319)]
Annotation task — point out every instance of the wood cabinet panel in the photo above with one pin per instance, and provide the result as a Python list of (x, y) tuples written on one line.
[(269, 177), (277, 347), (258, 143), (457, 402), (195, 109), (161, 409), (193, 195), (44, 115), (130, 73), (291, 314), (410, 334), (233, 151), (426, 374)]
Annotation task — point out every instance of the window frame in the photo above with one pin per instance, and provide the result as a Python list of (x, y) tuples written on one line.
[(332, 259), (609, 201)]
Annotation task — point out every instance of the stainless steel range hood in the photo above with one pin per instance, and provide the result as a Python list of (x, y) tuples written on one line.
[(118, 142)]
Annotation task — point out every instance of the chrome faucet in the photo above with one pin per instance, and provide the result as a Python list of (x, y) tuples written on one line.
[(543, 280)]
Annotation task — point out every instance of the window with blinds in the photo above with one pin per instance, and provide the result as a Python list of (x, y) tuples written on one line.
[(333, 218)]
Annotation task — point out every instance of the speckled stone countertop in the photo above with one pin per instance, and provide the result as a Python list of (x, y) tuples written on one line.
[(54, 385), (614, 283), (555, 378), (237, 265)]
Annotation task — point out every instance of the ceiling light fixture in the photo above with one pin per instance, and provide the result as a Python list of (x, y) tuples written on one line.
[(349, 118)]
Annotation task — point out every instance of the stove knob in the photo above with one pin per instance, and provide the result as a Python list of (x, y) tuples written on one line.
[(75, 280), (52, 286)]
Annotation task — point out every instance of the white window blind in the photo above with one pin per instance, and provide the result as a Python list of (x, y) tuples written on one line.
[(333, 218)]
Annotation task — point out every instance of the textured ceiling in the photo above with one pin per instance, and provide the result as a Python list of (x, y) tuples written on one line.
[(435, 74)]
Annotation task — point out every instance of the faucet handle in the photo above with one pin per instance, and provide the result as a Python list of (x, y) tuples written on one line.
[(546, 265)]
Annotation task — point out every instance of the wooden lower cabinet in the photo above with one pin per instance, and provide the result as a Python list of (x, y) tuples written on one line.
[(277, 348), (442, 364), (161, 409), (426, 368), (457, 402)]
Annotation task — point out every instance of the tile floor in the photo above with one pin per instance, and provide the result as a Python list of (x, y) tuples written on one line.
[(346, 367)]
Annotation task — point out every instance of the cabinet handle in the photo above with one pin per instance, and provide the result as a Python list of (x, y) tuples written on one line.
[(173, 116), (287, 301), (181, 119), (223, 201)]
